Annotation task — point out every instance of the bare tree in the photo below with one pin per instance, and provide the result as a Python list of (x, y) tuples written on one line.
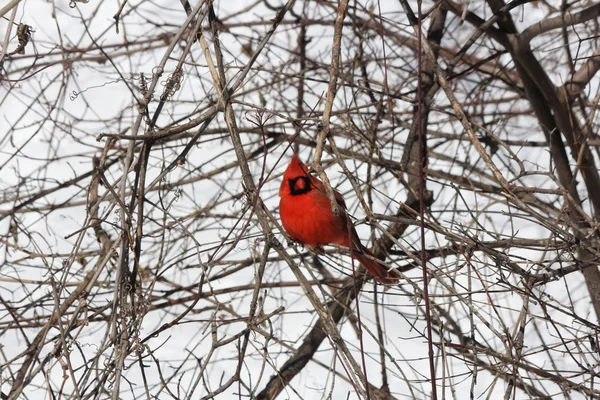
[(141, 152)]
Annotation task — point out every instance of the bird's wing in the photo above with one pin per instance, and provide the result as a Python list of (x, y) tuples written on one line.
[(321, 188)]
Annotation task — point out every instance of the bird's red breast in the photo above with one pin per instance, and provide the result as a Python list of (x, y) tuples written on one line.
[(307, 217)]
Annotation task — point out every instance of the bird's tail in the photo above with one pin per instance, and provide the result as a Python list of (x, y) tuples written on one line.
[(375, 267)]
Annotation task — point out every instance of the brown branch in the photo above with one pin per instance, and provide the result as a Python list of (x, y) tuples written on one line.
[(582, 77), (323, 129), (549, 24)]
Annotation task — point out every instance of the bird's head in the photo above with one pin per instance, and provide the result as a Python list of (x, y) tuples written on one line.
[(296, 179)]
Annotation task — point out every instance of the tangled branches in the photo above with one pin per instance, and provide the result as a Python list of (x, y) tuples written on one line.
[(142, 147)]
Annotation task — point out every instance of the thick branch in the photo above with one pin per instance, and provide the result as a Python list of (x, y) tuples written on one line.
[(546, 25)]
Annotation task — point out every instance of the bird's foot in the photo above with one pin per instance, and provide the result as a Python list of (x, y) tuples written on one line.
[(316, 249)]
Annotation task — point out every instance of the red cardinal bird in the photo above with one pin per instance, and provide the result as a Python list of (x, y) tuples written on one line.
[(307, 217)]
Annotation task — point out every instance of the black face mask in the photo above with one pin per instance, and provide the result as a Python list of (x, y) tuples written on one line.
[(299, 185)]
